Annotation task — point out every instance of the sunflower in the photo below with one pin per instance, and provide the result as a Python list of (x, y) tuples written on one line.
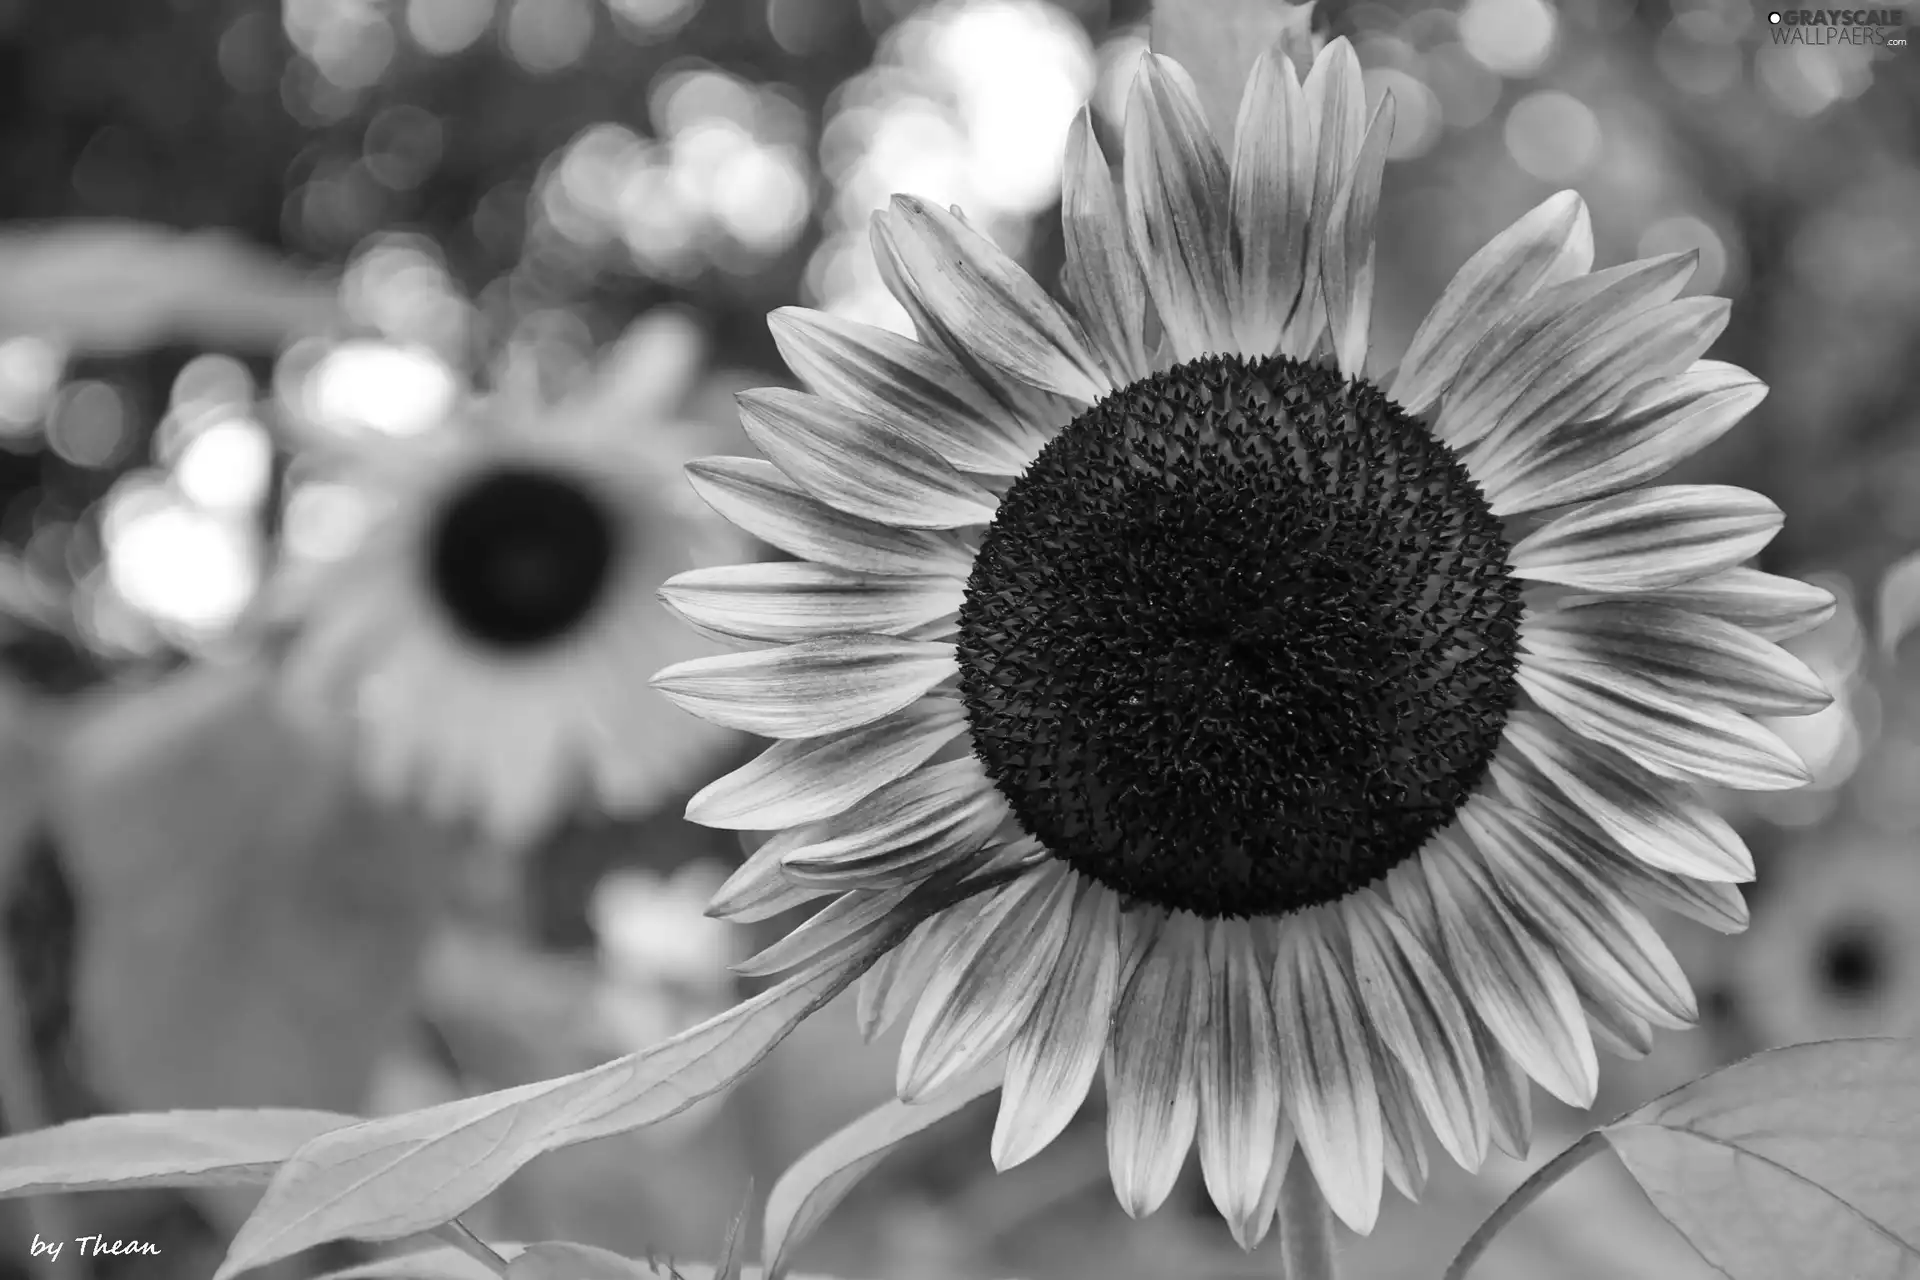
[(477, 638), (1317, 736), (1835, 948)]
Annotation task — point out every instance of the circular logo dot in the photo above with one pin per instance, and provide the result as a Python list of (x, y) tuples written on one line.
[(1774, 18)]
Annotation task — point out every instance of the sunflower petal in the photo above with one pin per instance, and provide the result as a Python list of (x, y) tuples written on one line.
[(1693, 655), (1337, 96), (759, 890), (1405, 1150), (1648, 539), (781, 603), (1420, 1021), (906, 384), (1594, 378), (1663, 422), (987, 982), (1514, 982), (807, 1192), (1271, 197), (856, 463), (1237, 1067), (755, 495), (1772, 607), (1054, 1057), (1522, 348), (1551, 243), (934, 815), (807, 779), (1671, 736), (1101, 276), (982, 300), (1327, 1071), (1347, 252), (897, 980), (1263, 1214), (1605, 945), (1153, 1104), (1041, 412), (810, 689), (1659, 822), (1509, 1093), (1616, 1031), (833, 931), (1177, 186), (1718, 905)]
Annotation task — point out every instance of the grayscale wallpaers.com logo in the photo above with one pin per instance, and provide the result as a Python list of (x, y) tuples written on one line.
[(1887, 27)]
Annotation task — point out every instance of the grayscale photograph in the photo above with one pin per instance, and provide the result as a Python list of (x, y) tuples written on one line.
[(959, 640)]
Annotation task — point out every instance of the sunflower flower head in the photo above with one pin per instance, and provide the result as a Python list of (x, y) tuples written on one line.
[(1317, 735), (472, 640)]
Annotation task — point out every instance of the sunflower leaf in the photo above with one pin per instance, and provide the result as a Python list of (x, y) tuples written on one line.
[(561, 1260), (406, 1174), (1217, 42), (808, 1191), (1899, 606), (238, 1147), (1798, 1162), (247, 908), (447, 1263)]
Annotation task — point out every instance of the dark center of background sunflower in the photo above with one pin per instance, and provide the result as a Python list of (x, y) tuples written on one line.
[(1240, 639), (520, 556)]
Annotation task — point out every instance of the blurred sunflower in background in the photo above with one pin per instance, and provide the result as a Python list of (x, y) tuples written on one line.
[(482, 639), (1835, 948), (1318, 736)]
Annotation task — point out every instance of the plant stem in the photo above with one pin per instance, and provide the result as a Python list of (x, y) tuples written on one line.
[(1525, 1194), (456, 1234), (25, 1109), (1307, 1250)]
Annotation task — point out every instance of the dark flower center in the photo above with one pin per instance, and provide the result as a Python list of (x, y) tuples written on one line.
[(519, 557), (1240, 639), (1853, 963)]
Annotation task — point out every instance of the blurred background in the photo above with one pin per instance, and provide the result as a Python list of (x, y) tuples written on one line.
[(239, 235)]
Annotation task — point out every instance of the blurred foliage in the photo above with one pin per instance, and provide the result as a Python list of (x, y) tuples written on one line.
[(201, 201)]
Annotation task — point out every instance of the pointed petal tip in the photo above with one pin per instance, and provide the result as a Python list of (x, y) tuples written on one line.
[(1250, 1228), (1013, 1146), (911, 1088), (1339, 47), (906, 205), (1356, 1205)]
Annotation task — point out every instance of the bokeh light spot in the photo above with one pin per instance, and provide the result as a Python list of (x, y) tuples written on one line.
[(545, 36), (1514, 38), (88, 424), (653, 19), (1466, 90), (1678, 234), (1416, 112), (444, 27), (380, 387), (177, 565), (30, 368), (226, 466), (324, 521), (1552, 135)]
